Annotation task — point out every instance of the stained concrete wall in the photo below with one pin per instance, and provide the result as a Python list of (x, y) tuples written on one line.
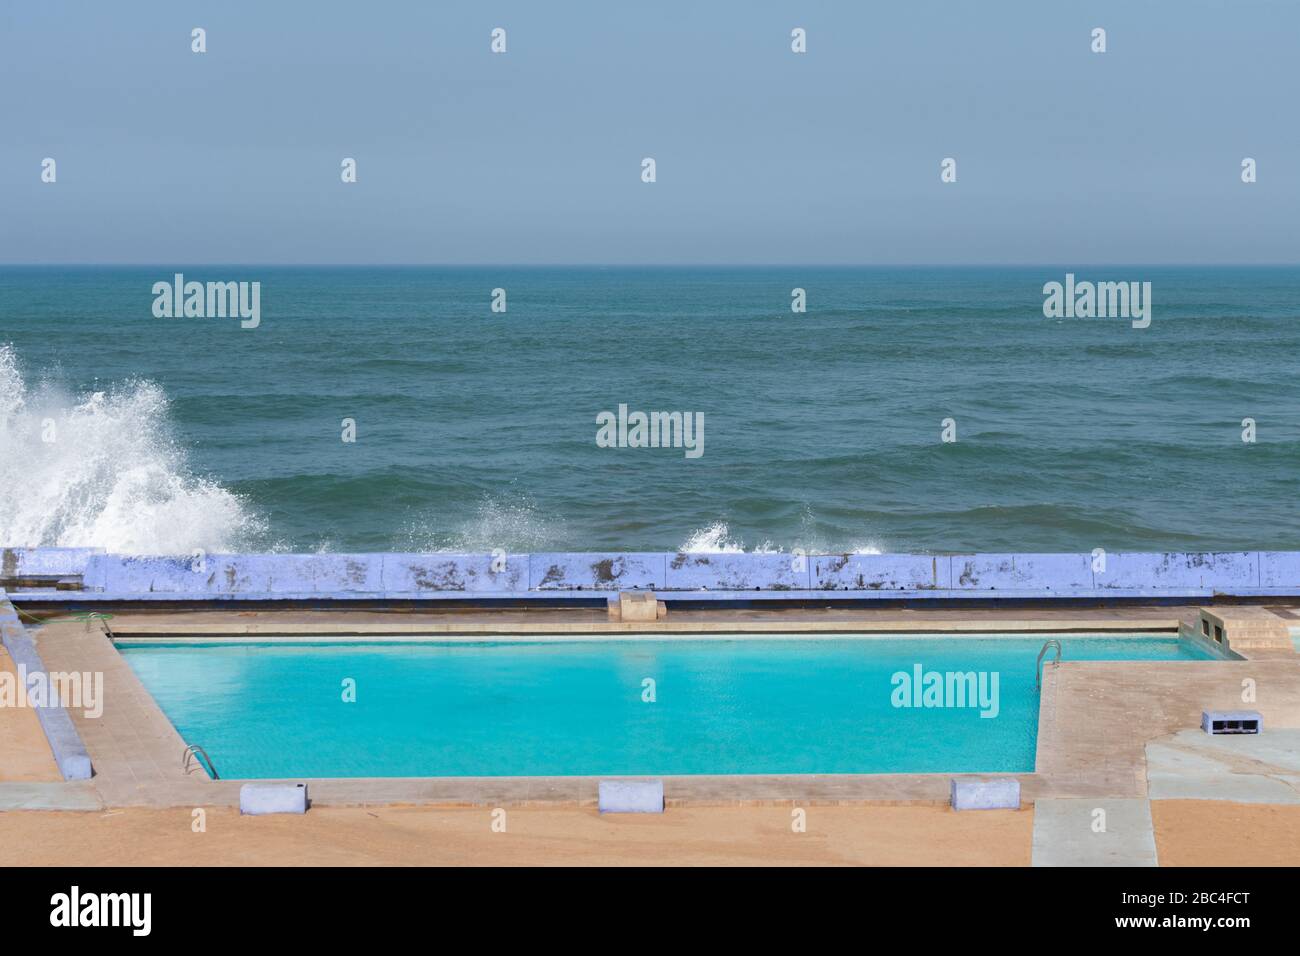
[(568, 571), (726, 576), (44, 562)]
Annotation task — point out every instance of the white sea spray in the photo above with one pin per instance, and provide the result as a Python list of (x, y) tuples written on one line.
[(102, 470)]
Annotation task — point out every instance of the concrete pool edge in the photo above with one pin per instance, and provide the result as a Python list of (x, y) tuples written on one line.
[(133, 640)]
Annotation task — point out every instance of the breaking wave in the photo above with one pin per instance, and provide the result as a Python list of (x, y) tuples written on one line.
[(512, 524), (102, 470), (716, 539)]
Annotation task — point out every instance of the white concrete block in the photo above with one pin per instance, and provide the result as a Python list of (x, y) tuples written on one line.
[(260, 798), (1002, 793), (631, 796)]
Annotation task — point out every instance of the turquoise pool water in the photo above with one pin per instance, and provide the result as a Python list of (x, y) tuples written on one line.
[(750, 705)]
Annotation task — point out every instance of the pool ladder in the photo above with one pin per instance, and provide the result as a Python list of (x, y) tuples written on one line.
[(1055, 645), (191, 757)]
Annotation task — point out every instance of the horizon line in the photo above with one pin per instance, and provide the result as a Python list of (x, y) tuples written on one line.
[(655, 265)]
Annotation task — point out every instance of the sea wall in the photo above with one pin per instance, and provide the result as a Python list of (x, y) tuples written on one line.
[(92, 575)]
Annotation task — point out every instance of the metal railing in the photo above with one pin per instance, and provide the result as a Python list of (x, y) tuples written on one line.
[(191, 757), (1053, 644)]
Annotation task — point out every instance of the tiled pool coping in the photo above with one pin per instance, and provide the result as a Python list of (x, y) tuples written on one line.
[(1095, 721)]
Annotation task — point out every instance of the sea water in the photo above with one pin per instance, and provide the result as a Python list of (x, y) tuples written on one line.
[(477, 430)]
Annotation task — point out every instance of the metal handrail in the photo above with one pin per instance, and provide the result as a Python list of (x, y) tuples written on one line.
[(192, 753), (1050, 645)]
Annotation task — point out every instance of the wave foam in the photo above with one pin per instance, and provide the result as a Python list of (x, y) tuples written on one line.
[(716, 539), (103, 471), (512, 525)]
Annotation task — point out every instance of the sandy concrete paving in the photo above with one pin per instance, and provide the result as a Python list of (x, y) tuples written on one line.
[(732, 836), (1187, 832), (1219, 833)]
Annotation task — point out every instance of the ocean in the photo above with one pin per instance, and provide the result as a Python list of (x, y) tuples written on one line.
[(477, 430)]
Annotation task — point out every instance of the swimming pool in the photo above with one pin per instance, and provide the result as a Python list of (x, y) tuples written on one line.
[(749, 705)]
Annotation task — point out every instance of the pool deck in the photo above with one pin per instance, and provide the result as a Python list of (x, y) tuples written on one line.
[(1096, 719), (1118, 742), (1187, 833), (1117, 737)]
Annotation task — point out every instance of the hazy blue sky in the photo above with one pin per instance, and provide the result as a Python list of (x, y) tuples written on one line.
[(1064, 156)]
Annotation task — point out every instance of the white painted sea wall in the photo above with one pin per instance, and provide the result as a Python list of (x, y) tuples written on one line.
[(97, 575)]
